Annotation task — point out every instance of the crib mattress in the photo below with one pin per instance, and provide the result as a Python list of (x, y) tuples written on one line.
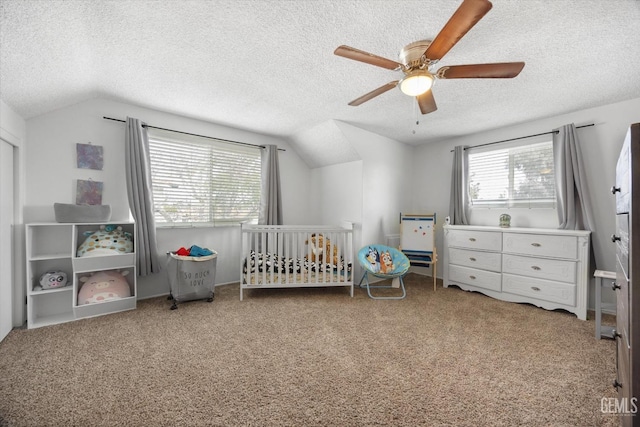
[(296, 278)]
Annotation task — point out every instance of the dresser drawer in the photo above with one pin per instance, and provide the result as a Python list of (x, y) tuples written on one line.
[(622, 302), (475, 259), (552, 269), (487, 240), (474, 277), (546, 290), (622, 245), (541, 245)]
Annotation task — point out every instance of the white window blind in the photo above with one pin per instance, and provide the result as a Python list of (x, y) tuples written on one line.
[(200, 181), (516, 176)]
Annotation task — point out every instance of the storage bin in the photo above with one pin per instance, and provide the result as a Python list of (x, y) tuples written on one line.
[(191, 278), (65, 212)]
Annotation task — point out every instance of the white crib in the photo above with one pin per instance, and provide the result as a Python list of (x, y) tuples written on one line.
[(281, 256)]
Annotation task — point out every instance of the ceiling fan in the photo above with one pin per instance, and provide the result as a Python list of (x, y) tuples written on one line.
[(417, 58)]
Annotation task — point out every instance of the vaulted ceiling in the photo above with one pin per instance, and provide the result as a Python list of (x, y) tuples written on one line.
[(268, 65)]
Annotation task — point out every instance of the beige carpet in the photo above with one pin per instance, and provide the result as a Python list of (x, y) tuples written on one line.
[(312, 357)]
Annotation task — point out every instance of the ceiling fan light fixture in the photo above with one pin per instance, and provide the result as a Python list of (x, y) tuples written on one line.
[(416, 82)]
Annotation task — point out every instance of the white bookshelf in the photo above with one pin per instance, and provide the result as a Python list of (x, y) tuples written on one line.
[(52, 246)]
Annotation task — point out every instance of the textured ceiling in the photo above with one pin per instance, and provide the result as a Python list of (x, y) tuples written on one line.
[(268, 66)]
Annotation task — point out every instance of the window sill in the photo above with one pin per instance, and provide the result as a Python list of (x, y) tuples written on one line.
[(553, 208), (191, 226)]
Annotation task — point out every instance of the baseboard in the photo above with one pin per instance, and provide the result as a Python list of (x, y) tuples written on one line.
[(166, 294)]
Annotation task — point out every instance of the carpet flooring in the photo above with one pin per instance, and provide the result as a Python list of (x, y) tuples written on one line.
[(312, 357)]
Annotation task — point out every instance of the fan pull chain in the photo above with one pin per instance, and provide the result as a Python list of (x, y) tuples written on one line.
[(415, 112)]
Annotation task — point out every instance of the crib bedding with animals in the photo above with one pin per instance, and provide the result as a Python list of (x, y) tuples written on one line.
[(296, 256), (293, 269)]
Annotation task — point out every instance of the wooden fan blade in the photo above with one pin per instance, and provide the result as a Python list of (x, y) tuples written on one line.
[(374, 93), (366, 57), (502, 70), (427, 102), (463, 19)]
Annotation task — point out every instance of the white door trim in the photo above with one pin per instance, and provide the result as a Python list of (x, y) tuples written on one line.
[(7, 277)]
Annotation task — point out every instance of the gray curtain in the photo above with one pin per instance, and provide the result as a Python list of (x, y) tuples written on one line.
[(140, 197), (270, 195), (573, 200), (459, 195)]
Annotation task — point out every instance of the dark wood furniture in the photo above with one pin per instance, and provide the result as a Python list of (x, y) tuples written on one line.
[(627, 240)]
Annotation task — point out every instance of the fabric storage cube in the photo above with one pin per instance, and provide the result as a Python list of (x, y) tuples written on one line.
[(65, 212)]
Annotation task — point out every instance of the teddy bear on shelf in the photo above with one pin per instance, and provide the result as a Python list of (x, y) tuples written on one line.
[(319, 247)]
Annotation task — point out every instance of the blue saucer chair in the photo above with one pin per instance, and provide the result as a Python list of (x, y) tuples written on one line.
[(384, 262)]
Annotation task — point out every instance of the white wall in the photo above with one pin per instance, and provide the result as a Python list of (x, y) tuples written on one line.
[(336, 193), (600, 146), (336, 196), (52, 172), (13, 127), (13, 130), (370, 192), (386, 182)]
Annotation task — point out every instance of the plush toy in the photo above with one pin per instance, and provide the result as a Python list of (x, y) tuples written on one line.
[(373, 257), (109, 240), (103, 286), (53, 279), (321, 246), (386, 263)]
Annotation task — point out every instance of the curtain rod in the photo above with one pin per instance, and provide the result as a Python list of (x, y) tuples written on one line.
[(194, 134), (523, 137)]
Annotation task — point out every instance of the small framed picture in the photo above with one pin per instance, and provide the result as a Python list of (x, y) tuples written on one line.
[(89, 156), (89, 192)]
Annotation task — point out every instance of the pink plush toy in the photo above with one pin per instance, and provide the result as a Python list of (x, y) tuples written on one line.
[(103, 286)]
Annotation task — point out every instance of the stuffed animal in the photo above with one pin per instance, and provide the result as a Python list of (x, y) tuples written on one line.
[(103, 286), (373, 257), (53, 279), (321, 246), (386, 263), (109, 240)]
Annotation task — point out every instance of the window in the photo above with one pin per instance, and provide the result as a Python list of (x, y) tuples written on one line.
[(201, 181), (515, 176)]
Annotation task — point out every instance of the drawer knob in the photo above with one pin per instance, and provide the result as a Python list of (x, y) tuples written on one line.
[(536, 268), (536, 245), (472, 239), (615, 238), (472, 258), (535, 288), (615, 189), (616, 384), (615, 286), (472, 277)]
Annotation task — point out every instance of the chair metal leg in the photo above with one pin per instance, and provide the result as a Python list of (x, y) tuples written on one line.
[(365, 278)]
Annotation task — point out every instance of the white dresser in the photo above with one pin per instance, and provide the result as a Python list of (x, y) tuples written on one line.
[(544, 267)]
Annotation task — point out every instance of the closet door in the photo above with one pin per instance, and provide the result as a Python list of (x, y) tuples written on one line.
[(6, 238)]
